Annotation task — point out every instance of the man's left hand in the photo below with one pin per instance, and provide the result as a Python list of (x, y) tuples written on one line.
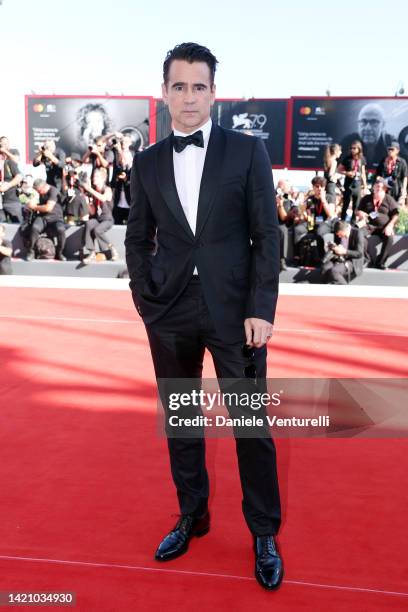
[(257, 331), (388, 230), (340, 250)]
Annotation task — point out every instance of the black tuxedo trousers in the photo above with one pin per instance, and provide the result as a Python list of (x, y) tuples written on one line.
[(177, 343)]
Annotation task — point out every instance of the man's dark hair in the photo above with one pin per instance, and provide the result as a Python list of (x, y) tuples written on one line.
[(340, 226), (190, 52), (319, 180)]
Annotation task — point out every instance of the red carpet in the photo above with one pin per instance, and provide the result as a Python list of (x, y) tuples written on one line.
[(85, 478)]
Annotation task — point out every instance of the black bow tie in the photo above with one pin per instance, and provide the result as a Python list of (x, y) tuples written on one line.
[(181, 142)]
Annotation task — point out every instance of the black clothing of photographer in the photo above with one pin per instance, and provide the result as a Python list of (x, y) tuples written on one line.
[(318, 216), (121, 179), (377, 215), (75, 202), (284, 205), (353, 166), (6, 251), (53, 159), (10, 179), (48, 218), (344, 259), (394, 170)]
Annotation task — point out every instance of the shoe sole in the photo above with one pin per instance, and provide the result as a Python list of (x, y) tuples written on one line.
[(196, 534)]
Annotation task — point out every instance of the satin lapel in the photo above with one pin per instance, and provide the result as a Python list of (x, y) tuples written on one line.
[(212, 173), (167, 183)]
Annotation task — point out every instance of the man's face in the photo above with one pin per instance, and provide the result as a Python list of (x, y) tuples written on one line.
[(41, 189), (4, 143), (284, 185), (370, 126), (378, 191), (317, 191), (344, 233), (188, 94), (392, 152)]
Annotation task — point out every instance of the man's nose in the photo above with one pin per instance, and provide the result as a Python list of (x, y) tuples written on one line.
[(190, 96)]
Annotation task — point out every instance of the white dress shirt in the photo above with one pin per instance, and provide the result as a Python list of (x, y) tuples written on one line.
[(188, 170)]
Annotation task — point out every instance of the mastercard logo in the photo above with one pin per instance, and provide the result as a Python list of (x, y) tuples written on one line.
[(305, 110), (38, 108)]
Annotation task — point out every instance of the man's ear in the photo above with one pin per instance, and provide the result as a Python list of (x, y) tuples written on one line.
[(164, 93), (213, 92)]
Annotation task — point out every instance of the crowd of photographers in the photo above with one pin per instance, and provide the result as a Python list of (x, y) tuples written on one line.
[(92, 190), (336, 225)]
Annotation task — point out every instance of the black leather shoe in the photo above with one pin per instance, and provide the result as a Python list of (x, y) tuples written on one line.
[(60, 257), (176, 542), (268, 564)]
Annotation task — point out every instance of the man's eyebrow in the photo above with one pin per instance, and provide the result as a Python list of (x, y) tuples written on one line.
[(180, 84)]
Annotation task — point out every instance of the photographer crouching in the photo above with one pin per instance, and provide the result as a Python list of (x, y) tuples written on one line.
[(377, 216), (47, 217), (101, 219), (6, 251), (344, 259)]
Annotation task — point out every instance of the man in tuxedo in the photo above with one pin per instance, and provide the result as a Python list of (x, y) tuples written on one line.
[(202, 248), (344, 259)]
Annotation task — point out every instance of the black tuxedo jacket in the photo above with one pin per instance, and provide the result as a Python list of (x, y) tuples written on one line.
[(355, 250), (236, 244)]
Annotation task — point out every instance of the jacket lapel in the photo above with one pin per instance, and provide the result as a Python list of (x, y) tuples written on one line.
[(167, 183), (212, 173)]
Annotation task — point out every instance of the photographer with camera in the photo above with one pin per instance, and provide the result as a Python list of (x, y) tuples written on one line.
[(48, 218), (99, 156), (121, 178), (344, 259), (353, 166), (10, 179), (75, 201), (376, 216), (284, 204), (6, 251), (394, 170), (317, 219), (101, 219), (53, 159), (6, 152)]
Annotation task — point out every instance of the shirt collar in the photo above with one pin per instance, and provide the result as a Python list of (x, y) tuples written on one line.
[(206, 129)]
